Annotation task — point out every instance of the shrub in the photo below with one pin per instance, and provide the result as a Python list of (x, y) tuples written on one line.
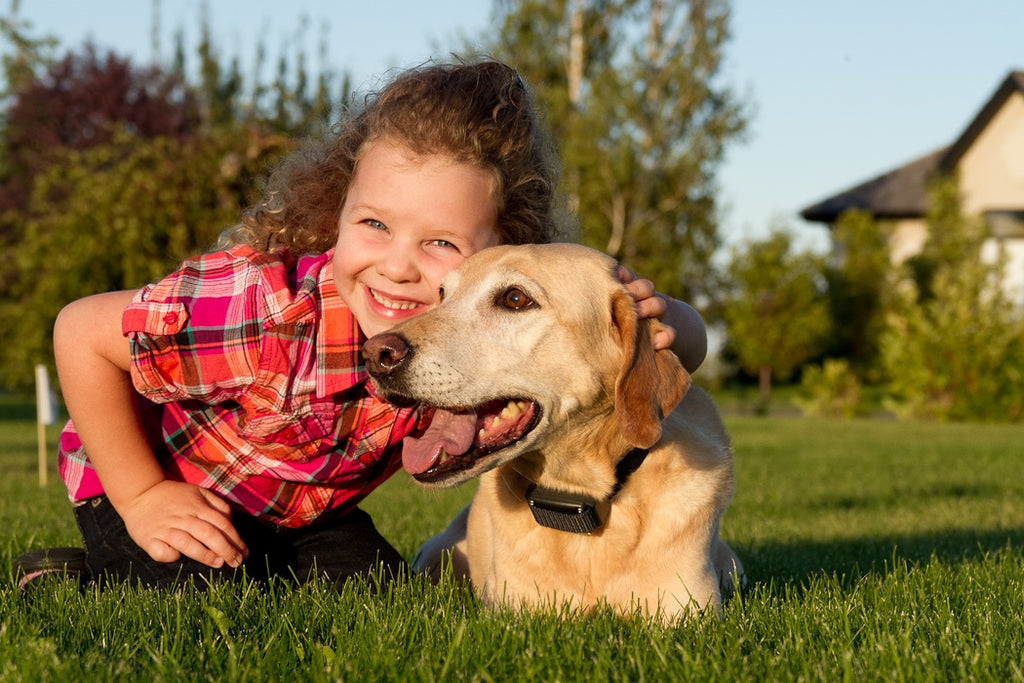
[(831, 389)]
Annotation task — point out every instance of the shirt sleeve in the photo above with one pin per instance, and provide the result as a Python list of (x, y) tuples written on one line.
[(196, 334)]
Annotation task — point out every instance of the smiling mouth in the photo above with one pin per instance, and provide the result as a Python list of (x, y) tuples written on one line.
[(459, 439), (393, 304)]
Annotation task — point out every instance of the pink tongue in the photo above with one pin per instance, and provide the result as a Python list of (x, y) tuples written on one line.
[(448, 432)]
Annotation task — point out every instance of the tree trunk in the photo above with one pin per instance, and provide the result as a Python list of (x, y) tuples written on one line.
[(764, 383)]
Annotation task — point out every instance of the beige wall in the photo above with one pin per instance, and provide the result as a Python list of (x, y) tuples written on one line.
[(991, 178), (992, 169), (907, 239)]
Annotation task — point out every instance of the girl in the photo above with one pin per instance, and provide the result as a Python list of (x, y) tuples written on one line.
[(222, 417)]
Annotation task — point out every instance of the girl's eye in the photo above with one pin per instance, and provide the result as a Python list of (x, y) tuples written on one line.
[(515, 299), (375, 224), (444, 244)]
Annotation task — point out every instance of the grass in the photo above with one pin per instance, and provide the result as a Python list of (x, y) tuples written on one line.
[(876, 550)]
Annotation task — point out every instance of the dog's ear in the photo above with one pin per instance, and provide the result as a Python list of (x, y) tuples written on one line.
[(650, 383)]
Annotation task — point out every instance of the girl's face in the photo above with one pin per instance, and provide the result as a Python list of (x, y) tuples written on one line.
[(406, 222)]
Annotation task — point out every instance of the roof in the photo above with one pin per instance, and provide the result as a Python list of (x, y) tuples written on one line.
[(1010, 85), (903, 191), (900, 193)]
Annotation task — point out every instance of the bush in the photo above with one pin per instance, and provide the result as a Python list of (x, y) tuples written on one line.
[(954, 345), (831, 389)]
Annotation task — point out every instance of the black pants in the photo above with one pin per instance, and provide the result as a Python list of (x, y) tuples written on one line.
[(335, 547)]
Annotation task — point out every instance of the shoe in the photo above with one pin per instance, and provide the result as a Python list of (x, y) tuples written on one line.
[(35, 565)]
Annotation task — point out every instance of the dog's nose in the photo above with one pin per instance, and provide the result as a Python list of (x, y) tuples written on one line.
[(384, 353)]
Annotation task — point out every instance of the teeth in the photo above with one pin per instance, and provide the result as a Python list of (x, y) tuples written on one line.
[(391, 303), (513, 409), (510, 412)]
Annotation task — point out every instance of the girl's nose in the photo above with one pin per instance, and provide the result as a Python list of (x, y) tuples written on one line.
[(398, 265)]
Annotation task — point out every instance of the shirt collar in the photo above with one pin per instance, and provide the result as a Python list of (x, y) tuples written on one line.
[(339, 340)]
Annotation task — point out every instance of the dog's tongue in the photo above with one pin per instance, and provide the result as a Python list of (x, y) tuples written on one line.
[(448, 432)]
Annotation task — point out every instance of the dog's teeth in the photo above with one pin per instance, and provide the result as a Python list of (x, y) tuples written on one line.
[(482, 433), (513, 409)]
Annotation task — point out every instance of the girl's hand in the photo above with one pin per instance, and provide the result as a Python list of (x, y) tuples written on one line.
[(650, 304), (684, 332), (172, 519)]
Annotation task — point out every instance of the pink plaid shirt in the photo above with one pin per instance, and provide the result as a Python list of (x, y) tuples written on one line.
[(252, 386)]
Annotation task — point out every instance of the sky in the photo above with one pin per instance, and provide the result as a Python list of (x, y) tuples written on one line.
[(839, 91)]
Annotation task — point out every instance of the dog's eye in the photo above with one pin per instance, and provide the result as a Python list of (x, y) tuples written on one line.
[(515, 299), (440, 294)]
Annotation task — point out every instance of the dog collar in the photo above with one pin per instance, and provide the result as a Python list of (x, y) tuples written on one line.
[(577, 513)]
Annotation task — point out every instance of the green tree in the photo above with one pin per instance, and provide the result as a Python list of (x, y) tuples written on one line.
[(859, 276), (130, 210), (774, 308), (953, 348), (23, 54), (634, 98), (162, 168)]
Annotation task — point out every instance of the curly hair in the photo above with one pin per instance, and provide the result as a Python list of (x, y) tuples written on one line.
[(477, 113)]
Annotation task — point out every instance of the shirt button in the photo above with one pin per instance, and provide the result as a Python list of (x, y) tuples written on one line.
[(170, 318)]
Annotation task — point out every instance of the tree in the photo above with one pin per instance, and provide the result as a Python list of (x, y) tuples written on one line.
[(953, 348), (632, 95), (775, 310), (78, 103), (129, 211), (859, 277), (115, 173), (23, 55)]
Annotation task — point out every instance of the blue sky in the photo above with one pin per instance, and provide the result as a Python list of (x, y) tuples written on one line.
[(842, 89)]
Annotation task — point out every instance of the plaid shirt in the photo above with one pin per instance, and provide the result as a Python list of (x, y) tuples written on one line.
[(252, 386)]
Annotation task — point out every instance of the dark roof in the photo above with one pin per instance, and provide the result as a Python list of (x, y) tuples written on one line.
[(903, 192), (1011, 84), (900, 193)]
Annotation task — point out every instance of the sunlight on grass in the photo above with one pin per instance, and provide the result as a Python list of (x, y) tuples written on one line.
[(875, 550)]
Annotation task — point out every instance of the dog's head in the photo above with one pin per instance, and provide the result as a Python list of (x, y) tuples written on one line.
[(529, 343)]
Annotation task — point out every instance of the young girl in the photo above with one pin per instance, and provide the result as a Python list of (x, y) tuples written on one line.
[(222, 417)]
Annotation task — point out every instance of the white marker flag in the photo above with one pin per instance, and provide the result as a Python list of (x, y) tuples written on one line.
[(46, 400)]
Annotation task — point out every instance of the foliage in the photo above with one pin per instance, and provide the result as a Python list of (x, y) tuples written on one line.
[(954, 345), (113, 173), (774, 310), (78, 103), (831, 389), (25, 56), (292, 102), (857, 571), (859, 277), (633, 96), (130, 210)]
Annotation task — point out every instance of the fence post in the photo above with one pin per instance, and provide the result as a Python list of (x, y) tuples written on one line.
[(46, 414)]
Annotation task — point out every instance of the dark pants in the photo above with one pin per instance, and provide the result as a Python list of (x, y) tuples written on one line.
[(335, 547)]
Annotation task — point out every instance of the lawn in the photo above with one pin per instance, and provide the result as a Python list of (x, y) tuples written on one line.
[(876, 550)]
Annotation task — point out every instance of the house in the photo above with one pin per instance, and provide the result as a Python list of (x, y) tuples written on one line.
[(989, 157)]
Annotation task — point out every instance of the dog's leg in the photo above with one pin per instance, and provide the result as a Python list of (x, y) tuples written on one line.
[(731, 576), (447, 546)]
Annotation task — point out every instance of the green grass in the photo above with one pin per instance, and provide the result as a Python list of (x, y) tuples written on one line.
[(876, 550)]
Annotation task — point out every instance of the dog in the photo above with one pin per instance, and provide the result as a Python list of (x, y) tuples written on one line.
[(603, 474)]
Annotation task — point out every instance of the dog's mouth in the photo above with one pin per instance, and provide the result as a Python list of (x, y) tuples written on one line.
[(460, 439)]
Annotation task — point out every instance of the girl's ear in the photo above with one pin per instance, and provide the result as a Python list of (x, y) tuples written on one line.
[(650, 383)]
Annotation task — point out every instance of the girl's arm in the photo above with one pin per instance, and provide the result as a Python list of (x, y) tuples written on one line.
[(686, 334), (165, 518), (690, 340)]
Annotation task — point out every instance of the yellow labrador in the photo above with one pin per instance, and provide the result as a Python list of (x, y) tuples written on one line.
[(603, 475)]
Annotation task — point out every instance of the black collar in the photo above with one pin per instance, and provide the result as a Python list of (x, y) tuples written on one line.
[(574, 512)]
